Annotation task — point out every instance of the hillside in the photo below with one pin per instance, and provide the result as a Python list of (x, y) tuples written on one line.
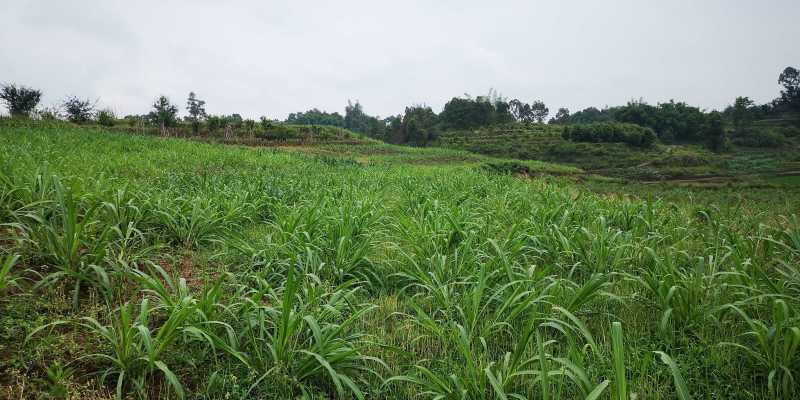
[(140, 266), (661, 162)]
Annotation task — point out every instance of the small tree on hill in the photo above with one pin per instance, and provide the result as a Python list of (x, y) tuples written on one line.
[(521, 111), (19, 100), (714, 131), (164, 114), (78, 110), (742, 115), (790, 80), (197, 111), (539, 111), (562, 116)]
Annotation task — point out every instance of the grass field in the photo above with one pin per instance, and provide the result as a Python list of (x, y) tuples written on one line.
[(145, 267)]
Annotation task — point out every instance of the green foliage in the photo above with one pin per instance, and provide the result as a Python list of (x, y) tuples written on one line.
[(741, 114), (19, 100), (164, 113), (375, 271), (790, 80), (355, 119), (197, 111), (316, 117), (606, 132), (106, 117), (775, 347), (7, 280), (78, 110), (562, 117), (714, 132), (418, 126), (756, 137)]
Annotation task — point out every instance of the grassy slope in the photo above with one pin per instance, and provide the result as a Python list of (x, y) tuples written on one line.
[(544, 142), (380, 218)]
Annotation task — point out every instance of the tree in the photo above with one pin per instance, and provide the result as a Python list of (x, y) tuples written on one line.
[(197, 111), (790, 80), (316, 117), (78, 110), (741, 113), (19, 100), (521, 111), (714, 131), (466, 113), (562, 116), (418, 125), (164, 114), (357, 120), (539, 111)]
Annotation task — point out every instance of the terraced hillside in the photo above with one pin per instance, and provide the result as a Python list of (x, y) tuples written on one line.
[(672, 162)]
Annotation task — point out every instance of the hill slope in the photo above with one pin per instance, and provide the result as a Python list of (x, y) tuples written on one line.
[(681, 161), (177, 267)]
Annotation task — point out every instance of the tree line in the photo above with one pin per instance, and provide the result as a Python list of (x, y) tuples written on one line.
[(419, 124)]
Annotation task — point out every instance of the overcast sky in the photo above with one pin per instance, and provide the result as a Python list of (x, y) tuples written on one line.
[(272, 58)]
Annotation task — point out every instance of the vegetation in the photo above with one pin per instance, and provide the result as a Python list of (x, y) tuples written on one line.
[(20, 100), (106, 117), (168, 268), (319, 262), (78, 110), (607, 132), (197, 111)]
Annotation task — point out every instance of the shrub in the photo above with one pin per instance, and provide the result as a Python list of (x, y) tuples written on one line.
[(789, 131), (609, 132), (19, 100), (78, 110), (106, 117), (759, 138)]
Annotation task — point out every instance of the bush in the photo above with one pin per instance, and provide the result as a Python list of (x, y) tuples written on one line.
[(78, 110), (759, 138), (789, 131), (610, 132), (106, 117)]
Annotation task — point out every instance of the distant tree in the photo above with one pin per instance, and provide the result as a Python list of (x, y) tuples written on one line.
[(590, 115), (562, 116), (714, 131), (521, 111), (19, 100), (502, 111), (316, 117), (394, 129), (357, 120), (418, 125), (671, 120), (539, 110), (164, 114), (790, 80), (741, 113), (197, 111), (78, 110), (466, 113), (266, 123)]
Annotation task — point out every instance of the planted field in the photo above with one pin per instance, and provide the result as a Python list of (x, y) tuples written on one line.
[(144, 267)]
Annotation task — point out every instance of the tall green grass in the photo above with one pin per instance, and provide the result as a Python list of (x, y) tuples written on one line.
[(160, 268)]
